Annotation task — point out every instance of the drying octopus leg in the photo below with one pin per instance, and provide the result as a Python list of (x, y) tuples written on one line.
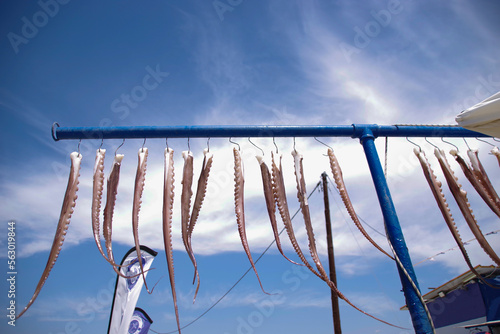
[(198, 202), (68, 205), (339, 181), (476, 183), (480, 172), (437, 191), (187, 193), (98, 184), (464, 205), (239, 183), (270, 203), (112, 189), (496, 152), (304, 206), (280, 198), (140, 177), (168, 203)]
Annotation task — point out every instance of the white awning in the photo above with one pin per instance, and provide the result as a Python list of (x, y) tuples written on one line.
[(483, 117)]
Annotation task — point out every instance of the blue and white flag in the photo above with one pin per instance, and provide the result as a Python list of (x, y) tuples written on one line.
[(140, 322), (127, 290)]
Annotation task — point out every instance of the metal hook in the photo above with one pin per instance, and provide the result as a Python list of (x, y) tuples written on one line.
[(123, 142), (419, 148), (166, 143), (208, 144), (447, 142), (466, 143), (256, 146), (427, 140), (79, 147), (143, 143), (319, 141), (495, 139), (54, 131), (232, 142), (294, 149), (484, 141), (274, 142), (189, 146), (102, 142)]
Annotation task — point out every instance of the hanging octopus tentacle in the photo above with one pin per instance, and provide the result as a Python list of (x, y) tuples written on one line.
[(304, 206), (271, 205), (140, 178), (187, 193), (111, 191), (68, 205), (460, 196), (280, 198), (97, 188), (339, 182), (437, 191), (201, 190), (239, 183), (198, 202), (476, 183), (482, 176), (496, 152), (168, 203)]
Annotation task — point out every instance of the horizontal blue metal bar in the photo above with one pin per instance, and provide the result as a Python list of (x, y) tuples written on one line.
[(224, 131)]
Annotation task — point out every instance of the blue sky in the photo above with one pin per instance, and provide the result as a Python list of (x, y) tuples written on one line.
[(234, 62)]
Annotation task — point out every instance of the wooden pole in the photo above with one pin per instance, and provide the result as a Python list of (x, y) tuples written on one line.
[(331, 258)]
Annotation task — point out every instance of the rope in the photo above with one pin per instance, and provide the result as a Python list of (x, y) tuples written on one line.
[(239, 280)]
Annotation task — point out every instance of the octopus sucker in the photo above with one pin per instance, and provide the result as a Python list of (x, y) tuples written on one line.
[(339, 182), (187, 193), (270, 204), (168, 203), (69, 203), (140, 178), (239, 185), (482, 176), (460, 196), (476, 182), (304, 206), (279, 193), (437, 191)]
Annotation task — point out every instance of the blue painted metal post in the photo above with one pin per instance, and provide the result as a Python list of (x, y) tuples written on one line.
[(421, 323)]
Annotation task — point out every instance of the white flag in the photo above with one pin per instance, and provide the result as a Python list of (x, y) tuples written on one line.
[(127, 290)]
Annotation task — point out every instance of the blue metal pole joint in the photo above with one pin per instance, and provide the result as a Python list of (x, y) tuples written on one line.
[(421, 323)]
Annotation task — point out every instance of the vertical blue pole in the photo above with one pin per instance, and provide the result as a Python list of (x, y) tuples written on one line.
[(421, 323)]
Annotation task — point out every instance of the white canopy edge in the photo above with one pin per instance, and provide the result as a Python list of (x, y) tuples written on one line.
[(483, 117)]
